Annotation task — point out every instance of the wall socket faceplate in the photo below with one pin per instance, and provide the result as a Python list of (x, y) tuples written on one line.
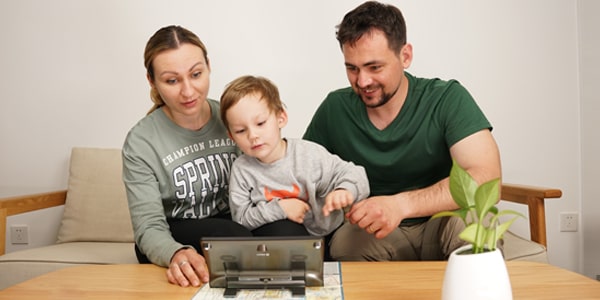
[(569, 221), (19, 234)]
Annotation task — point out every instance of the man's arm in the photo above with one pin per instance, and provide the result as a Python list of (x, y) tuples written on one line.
[(478, 154)]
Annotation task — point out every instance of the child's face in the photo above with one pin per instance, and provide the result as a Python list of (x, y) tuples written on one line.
[(256, 129)]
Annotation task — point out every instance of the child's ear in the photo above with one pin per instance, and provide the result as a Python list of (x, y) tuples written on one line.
[(282, 119), (228, 132)]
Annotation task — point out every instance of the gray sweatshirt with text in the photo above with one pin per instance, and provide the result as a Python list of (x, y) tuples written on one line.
[(172, 173)]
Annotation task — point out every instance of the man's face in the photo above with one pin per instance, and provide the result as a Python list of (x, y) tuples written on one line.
[(373, 69)]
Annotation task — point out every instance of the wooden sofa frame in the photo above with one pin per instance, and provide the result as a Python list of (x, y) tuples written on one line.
[(533, 197)]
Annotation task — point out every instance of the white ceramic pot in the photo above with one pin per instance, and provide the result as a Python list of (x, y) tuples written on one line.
[(476, 276)]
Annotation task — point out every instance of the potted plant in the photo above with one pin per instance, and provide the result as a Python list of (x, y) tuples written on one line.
[(477, 270)]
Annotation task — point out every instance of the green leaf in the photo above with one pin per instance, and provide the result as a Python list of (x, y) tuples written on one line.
[(487, 196), (468, 234), (510, 212), (453, 213), (477, 209), (459, 213), (502, 228), (462, 186), (492, 239), (494, 210)]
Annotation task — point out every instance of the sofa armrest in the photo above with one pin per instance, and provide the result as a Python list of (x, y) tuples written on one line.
[(22, 204), (534, 197)]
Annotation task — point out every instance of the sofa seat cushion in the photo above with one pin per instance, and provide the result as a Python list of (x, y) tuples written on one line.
[(518, 248), (25, 264)]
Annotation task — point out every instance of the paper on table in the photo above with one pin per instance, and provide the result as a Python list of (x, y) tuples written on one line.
[(331, 289)]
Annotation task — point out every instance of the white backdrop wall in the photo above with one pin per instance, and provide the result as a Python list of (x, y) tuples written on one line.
[(71, 74), (590, 109)]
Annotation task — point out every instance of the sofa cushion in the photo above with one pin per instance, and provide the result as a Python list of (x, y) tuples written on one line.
[(25, 264), (96, 205), (518, 248)]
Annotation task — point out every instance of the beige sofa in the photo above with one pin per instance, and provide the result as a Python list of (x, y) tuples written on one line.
[(96, 227)]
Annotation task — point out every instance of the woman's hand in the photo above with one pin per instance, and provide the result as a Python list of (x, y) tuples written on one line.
[(294, 208), (187, 268)]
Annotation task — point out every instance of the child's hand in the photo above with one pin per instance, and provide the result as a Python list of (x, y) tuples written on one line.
[(294, 208), (337, 199)]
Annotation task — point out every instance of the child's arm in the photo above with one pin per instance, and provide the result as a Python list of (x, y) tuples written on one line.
[(346, 182), (337, 199), (294, 208), (252, 213)]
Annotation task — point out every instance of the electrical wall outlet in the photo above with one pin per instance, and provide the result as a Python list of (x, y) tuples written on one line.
[(19, 234), (569, 221)]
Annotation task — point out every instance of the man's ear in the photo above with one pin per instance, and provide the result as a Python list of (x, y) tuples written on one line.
[(282, 119), (406, 55)]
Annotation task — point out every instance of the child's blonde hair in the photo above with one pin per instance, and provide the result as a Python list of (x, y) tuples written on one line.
[(248, 85)]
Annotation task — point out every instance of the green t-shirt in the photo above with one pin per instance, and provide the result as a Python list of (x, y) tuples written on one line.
[(413, 151)]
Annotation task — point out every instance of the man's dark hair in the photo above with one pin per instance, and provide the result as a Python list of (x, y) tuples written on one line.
[(373, 15)]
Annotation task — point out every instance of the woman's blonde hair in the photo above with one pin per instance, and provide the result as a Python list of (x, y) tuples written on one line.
[(167, 38)]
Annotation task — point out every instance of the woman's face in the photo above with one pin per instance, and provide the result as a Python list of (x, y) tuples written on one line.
[(181, 77)]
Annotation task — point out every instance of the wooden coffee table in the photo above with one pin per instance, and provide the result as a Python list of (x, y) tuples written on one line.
[(361, 280)]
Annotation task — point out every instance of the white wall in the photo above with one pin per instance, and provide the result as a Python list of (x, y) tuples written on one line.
[(72, 75), (590, 109)]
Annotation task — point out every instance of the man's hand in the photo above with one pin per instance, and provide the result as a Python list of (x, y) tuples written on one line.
[(337, 199), (294, 208), (187, 268), (378, 215)]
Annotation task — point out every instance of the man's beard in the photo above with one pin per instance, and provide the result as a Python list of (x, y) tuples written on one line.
[(385, 98)]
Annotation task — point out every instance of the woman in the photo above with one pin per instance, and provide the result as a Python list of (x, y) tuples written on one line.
[(176, 161)]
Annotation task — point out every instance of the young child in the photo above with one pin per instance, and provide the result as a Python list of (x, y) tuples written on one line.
[(278, 178)]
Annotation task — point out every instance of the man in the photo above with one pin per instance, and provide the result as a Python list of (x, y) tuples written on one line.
[(405, 131)]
